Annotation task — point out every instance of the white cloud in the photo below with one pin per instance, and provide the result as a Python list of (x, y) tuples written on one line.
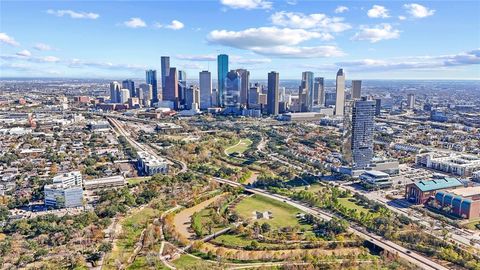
[(201, 57), (74, 14), (418, 11), (341, 9), (377, 33), (135, 23), (309, 21), (378, 12), (247, 4), (42, 47), (77, 63), (292, 2), (402, 18), (175, 25), (4, 38), (24, 53), (50, 59), (232, 58)]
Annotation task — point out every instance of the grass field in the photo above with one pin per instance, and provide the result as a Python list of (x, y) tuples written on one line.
[(240, 241), (282, 213), (136, 180), (189, 262), (132, 227), (311, 188), (202, 217), (350, 204), (239, 148)]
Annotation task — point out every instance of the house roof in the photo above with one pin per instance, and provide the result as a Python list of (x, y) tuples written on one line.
[(436, 184)]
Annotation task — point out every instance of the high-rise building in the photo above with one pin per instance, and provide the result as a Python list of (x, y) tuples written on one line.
[(307, 84), (253, 97), (244, 86), (283, 95), (363, 125), (182, 85), (340, 93), (165, 70), (114, 92), (170, 92), (356, 89), (319, 92), (192, 97), (411, 101), (231, 96), (151, 78), (124, 96), (222, 70), (378, 106), (130, 85), (273, 93), (66, 191), (145, 94), (205, 81)]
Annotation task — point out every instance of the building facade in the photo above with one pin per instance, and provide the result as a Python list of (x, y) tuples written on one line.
[(340, 93), (356, 89), (205, 81), (222, 71), (165, 70), (151, 78), (363, 126), (273, 93)]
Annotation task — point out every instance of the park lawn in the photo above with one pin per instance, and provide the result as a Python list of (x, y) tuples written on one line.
[(352, 205), (136, 180), (202, 217), (240, 147), (312, 188), (282, 214), (141, 262), (187, 261), (241, 241), (132, 227)]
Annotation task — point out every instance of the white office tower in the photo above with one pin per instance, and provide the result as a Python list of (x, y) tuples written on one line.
[(124, 96), (356, 89), (66, 191), (283, 96), (114, 91), (340, 93), (146, 94), (205, 78), (411, 101), (319, 91)]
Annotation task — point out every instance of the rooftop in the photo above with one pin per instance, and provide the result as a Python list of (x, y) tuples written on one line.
[(466, 192), (377, 173), (436, 184)]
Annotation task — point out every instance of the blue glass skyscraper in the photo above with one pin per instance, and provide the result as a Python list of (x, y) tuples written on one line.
[(222, 68), (151, 78)]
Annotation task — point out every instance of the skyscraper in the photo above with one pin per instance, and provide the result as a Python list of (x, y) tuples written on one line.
[(182, 85), (273, 93), (340, 93), (151, 78), (191, 97), (356, 89), (253, 97), (319, 92), (170, 92), (231, 96), (222, 70), (124, 95), (363, 114), (130, 85), (165, 70), (411, 101), (145, 94), (114, 92), (245, 85), (205, 81), (307, 84)]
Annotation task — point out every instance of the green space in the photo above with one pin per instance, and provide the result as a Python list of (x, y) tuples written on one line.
[(132, 227), (240, 147), (312, 188), (137, 180), (187, 261), (206, 221), (283, 214), (471, 225), (350, 203), (141, 262), (241, 241)]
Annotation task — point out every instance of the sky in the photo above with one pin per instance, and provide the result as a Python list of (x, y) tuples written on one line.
[(120, 39)]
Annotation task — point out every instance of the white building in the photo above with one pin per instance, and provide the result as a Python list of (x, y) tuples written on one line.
[(146, 94), (106, 182), (66, 191), (457, 164), (124, 96), (149, 165), (376, 179)]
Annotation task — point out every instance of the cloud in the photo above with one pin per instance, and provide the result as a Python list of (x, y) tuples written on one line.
[(24, 53), (249, 61), (378, 12), (175, 25), (4, 38), (262, 37), (77, 63), (341, 9), (247, 4), (292, 2), (74, 14), (201, 57), (42, 47), (377, 33), (135, 23), (49, 59), (414, 62), (317, 21), (232, 58), (402, 18), (418, 11)]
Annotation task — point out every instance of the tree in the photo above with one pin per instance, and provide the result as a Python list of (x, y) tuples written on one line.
[(265, 227)]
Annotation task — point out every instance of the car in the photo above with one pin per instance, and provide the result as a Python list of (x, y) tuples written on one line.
[(408, 252)]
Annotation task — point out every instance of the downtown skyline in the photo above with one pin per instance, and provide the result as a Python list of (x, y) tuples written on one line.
[(370, 40)]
